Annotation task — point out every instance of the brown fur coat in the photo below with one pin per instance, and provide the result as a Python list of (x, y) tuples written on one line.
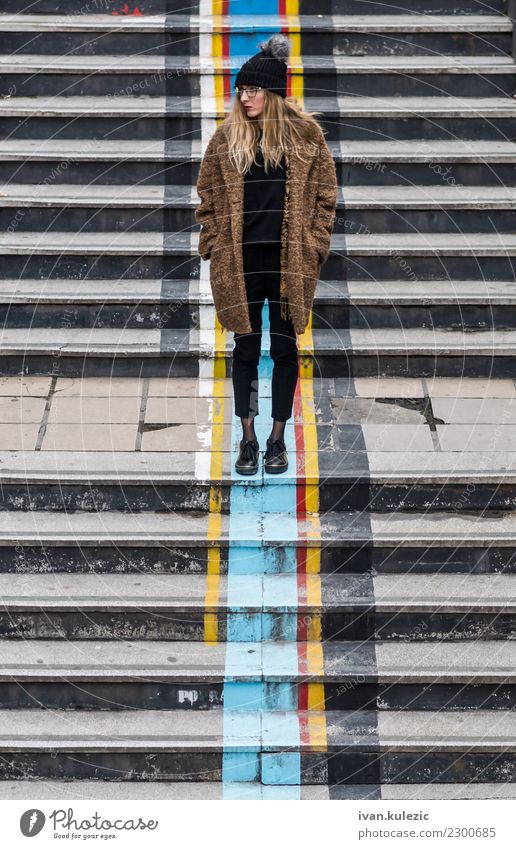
[(310, 197)]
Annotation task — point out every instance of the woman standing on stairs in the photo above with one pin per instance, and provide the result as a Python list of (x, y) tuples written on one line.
[(268, 190)]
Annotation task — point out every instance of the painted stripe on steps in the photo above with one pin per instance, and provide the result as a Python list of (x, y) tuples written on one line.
[(276, 499), (212, 372)]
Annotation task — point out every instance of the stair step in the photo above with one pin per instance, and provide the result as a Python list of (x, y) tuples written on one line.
[(146, 106), (259, 607), (412, 351), (416, 150), (420, 162), (179, 75), (143, 530), (430, 7), (324, 33), (272, 593), (334, 342), (197, 731), (355, 7), (197, 745), (26, 22), (195, 791), (172, 196), (171, 304), (144, 65), (117, 662), (354, 292), (156, 243), (376, 481), (350, 117), (177, 543), (141, 209)]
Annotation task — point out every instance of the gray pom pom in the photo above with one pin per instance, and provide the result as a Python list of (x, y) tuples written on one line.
[(278, 45)]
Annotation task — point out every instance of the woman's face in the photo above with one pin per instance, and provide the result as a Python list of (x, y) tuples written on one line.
[(253, 106)]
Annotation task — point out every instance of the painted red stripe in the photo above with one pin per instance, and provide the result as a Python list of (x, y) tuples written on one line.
[(302, 620), (304, 729), (300, 454), (302, 665)]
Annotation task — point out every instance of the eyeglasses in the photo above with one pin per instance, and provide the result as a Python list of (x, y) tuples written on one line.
[(250, 91)]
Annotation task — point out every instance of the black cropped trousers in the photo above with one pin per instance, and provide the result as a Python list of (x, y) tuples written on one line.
[(262, 280)]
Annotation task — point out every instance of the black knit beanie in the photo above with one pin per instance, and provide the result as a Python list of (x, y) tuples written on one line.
[(268, 68)]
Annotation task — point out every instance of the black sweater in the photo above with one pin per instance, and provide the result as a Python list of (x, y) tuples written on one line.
[(263, 201)]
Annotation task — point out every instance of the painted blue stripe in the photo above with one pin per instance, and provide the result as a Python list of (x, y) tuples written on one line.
[(245, 44), (272, 618), (280, 730), (253, 792), (262, 606)]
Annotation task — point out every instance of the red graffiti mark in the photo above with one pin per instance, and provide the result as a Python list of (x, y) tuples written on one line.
[(125, 10)]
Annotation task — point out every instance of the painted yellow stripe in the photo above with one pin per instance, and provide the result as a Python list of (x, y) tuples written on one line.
[(316, 701), (295, 60), (314, 598), (317, 731), (212, 593), (315, 658)]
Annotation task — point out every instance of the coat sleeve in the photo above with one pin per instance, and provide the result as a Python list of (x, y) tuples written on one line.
[(205, 212), (325, 201)]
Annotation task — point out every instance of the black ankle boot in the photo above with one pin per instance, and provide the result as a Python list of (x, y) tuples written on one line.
[(247, 462), (276, 457)]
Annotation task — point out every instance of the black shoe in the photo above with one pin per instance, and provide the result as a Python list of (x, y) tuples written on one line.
[(247, 462), (276, 457)]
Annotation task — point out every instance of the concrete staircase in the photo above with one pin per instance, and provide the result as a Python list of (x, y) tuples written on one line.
[(346, 630)]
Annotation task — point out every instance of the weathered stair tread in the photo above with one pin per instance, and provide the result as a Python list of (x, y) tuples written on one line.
[(96, 194), (206, 107), (423, 197), (149, 243), (183, 468), (415, 150), (354, 292), (354, 197), (406, 107), (44, 788), (443, 593), (156, 244), (100, 291), (215, 730), (89, 341), (145, 529), (426, 244), (198, 23), (421, 340), (120, 150), (122, 342), (149, 64), (116, 661), (482, 292), (419, 150), (169, 790), (503, 790)]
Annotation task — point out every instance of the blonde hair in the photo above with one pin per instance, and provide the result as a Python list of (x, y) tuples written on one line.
[(285, 125)]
